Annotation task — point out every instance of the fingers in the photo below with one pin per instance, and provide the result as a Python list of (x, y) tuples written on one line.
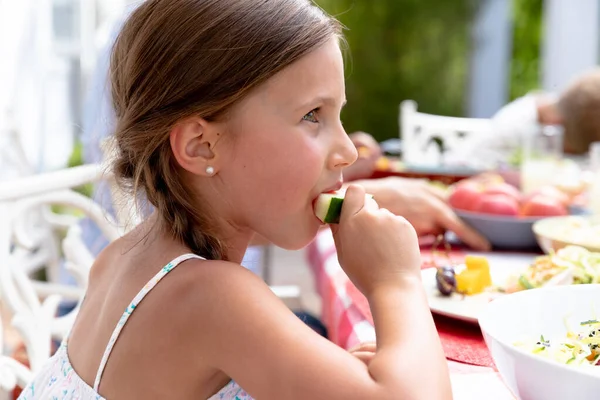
[(355, 200), (364, 352), (446, 219), (371, 204), (387, 212), (436, 192), (367, 346), (365, 356), (450, 221)]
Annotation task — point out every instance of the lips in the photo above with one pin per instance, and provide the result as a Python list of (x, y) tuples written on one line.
[(334, 188)]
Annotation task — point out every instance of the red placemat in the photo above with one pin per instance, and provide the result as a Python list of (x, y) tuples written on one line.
[(463, 342)]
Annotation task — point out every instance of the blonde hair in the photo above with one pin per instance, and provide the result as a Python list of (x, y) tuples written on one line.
[(579, 107), (180, 58)]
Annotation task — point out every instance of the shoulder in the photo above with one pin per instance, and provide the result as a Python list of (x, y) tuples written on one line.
[(212, 276), (219, 303), (205, 289)]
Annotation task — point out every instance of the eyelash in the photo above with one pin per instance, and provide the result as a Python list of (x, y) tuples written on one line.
[(314, 112)]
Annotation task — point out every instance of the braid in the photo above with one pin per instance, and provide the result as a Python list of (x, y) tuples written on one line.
[(178, 208)]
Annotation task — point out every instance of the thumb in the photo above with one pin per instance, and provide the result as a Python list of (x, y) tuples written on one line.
[(354, 201)]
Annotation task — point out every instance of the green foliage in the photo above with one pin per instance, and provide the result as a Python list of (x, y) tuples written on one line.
[(403, 49), (527, 39), (76, 157), (75, 160)]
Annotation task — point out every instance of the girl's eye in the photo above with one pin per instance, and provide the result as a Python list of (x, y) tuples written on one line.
[(311, 116)]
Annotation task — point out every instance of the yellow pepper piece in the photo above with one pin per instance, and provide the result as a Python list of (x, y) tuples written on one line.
[(476, 277), (469, 282)]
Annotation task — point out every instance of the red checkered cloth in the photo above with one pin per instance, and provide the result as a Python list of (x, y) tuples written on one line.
[(347, 316)]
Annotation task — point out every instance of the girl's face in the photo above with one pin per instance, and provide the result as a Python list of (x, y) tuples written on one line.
[(286, 146)]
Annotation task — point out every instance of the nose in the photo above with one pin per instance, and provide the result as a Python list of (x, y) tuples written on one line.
[(344, 152)]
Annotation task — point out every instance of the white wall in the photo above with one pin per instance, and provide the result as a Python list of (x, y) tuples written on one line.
[(490, 58), (571, 29)]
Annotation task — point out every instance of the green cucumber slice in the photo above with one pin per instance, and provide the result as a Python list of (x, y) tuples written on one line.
[(328, 207)]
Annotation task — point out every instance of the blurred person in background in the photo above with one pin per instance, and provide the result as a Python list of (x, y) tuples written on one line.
[(575, 109)]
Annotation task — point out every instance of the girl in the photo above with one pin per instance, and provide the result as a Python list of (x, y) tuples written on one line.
[(228, 123)]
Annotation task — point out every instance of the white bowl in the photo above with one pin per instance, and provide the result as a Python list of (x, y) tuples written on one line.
[(532, 313), (555, 233)]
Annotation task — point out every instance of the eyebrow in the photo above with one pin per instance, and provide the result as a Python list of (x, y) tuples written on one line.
[(330, 101)]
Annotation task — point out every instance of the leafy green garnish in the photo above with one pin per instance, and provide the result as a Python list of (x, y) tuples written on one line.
[(525, 283)]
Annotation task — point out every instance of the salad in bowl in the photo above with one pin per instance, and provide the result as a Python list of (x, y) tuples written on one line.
[(571, 265), (544, 342), (580, 346)]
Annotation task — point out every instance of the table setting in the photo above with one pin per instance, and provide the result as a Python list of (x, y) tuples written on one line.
[(492, 309)]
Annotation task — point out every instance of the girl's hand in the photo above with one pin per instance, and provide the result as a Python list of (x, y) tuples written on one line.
[(364, 352), (374, 246), (424, 206)]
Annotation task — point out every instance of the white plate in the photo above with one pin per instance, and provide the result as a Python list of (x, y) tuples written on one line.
[(468, 308)]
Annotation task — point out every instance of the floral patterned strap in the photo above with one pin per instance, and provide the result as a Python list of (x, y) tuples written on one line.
[(138, 298), (231, 391)]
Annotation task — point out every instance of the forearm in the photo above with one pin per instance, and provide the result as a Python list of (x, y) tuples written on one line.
[(405, 331)]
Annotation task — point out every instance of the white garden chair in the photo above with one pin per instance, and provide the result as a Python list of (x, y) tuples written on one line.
[(32, 237), (30, 240), (434, 141)]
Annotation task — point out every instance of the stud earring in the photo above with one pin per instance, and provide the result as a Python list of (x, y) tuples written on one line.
[(210, 170)]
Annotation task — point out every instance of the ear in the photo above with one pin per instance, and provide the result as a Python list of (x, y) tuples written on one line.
[(192, 142)]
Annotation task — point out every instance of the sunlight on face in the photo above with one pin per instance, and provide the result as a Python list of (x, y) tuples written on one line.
[(288, 146)]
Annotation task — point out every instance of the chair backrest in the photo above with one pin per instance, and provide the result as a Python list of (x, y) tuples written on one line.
[(432, 141), (32, 236)]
